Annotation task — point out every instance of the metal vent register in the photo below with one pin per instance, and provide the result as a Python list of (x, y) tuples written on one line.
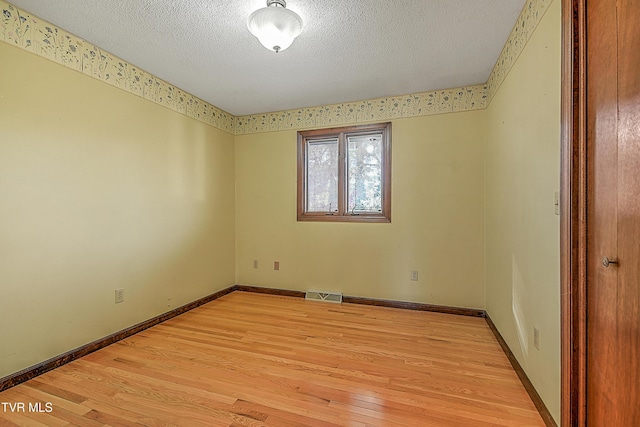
[(324, 296)]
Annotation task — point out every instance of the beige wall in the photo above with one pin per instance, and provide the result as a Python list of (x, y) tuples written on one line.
[(436, 228), (100, 189), (522, 231)]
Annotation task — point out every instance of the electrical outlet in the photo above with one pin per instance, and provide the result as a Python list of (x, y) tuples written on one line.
[(119, 295), (536, 338), (414, 275), (255, 263), (276, 265)]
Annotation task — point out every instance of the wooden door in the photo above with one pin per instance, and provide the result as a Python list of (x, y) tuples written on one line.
[(613, 213)]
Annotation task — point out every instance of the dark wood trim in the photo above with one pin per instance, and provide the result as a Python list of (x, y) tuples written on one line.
[(342, 214), (535, 397), (461, 311), (34, 371), (62, 359), (57, 361), (343, 218), (573, 207), (473, 312), (270, 291)]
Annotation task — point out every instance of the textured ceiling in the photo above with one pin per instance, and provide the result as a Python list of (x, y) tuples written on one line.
[(349, 50)]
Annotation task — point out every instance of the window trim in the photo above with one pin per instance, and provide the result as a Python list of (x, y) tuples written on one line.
[(341, 134)]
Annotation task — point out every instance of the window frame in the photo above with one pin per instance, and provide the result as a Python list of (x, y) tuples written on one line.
[(342, 134)]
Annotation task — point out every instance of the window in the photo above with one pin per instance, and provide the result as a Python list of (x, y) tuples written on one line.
[(344, 174)]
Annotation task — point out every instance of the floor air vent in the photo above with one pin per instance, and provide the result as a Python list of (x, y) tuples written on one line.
[(324, 296)]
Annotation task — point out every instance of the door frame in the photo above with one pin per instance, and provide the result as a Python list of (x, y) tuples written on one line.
[(573, 209)]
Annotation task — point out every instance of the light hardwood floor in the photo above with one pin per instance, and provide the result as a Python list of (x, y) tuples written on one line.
[(251, 359)]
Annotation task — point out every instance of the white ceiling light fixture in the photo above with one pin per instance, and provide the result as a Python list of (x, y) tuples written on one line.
[(275, 26)]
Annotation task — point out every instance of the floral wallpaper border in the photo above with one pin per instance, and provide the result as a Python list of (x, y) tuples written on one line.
[(531, 15), (419, 104), (28, 32)]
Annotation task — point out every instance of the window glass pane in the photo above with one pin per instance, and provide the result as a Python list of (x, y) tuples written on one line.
[(364, 171), (322, 175)]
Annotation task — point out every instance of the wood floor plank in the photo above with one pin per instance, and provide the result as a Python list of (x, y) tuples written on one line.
[(251, 359)]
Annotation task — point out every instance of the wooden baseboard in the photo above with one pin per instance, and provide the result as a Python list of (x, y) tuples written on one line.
[(62, 359), (372, 301), (47, 365), (270, 291), (461, 311), (524, 379)]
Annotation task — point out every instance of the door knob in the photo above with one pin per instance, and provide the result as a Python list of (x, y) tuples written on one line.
[(606, 261)]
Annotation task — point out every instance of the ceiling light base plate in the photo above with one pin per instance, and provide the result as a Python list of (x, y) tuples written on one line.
[(276, 3)]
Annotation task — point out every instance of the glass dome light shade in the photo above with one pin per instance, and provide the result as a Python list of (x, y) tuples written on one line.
[(275, 27)]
